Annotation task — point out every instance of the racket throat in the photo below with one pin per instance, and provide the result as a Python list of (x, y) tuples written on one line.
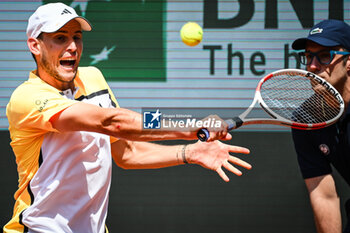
[(268, 111)]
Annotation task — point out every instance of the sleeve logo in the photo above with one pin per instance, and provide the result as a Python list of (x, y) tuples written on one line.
[(41, 104)]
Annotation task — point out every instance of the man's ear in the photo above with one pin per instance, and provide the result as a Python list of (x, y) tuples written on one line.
[(33, 45)]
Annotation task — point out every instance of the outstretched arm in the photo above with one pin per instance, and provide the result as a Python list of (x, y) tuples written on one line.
[(211, 155), (325, 204), (120, 123)]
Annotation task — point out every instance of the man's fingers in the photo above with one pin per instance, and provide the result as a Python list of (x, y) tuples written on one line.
[(238, 149), (222, 174), (219, 136), (232, 169), (227, 137), (239, 162)]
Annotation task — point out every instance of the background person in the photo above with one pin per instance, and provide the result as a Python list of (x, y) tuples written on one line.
[(326, 54)]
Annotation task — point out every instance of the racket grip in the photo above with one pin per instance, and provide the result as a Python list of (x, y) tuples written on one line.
[(203, 134)]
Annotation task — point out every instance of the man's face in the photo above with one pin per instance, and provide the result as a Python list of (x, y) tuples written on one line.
[(335, 72), (61, 52)]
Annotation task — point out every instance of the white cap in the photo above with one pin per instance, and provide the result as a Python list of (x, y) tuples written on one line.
[(51, 17)]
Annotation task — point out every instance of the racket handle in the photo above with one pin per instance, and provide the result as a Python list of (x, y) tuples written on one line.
[(203, 134)]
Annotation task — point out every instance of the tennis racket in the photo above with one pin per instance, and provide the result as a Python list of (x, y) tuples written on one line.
[(293, 98)]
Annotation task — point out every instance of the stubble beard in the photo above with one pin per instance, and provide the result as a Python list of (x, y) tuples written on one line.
[(54, 73)]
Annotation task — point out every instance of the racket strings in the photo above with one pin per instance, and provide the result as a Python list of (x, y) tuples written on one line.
[(299, 99)]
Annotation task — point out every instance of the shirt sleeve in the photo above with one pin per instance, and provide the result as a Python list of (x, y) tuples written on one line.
[(312, 162), (114, 102), (96, 77), (113, 99), (32, 106)]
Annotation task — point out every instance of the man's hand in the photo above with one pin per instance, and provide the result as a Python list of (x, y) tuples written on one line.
[(215, 155), (215, 132)]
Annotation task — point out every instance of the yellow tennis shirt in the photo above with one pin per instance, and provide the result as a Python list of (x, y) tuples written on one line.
[(63, 178)]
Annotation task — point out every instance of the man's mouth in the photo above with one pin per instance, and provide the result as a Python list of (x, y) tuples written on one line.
[(67, 63)]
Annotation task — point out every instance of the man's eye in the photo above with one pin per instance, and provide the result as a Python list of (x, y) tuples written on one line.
[(308, 56), (324, 55), (61, 38), (77, 38)]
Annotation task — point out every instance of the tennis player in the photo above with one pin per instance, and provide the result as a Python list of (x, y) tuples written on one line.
[(66, 125), (326, 53)]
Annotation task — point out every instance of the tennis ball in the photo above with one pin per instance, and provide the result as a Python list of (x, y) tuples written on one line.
[(191, 33)]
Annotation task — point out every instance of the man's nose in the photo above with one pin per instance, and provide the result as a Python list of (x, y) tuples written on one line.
[(314, 66)]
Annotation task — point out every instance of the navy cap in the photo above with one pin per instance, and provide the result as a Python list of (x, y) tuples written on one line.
[(327, 33)]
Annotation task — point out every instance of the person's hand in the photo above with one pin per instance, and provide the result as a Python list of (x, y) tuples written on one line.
[(215, 155), (217, 128)]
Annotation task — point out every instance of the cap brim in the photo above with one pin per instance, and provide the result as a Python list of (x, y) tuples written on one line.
[(300, 43), (84, 23)]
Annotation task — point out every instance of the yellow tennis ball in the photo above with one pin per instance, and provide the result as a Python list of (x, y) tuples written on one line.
[(191, 33)]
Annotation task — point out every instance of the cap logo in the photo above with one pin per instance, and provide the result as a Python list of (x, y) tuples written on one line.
[(316, 30), (65, 11)]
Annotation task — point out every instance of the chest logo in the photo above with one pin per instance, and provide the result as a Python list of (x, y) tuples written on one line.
[(324, 149)]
